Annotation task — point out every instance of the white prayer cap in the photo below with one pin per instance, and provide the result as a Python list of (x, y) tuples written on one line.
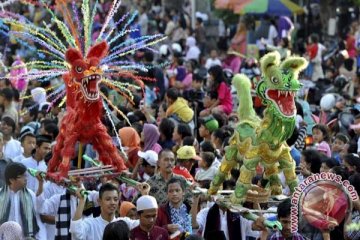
[(327, 102), (164, 50), (149, 156), (146, 202), (39, 95), (201, 15), (25, 131), (11, 231), (190, 41), (176, 47)]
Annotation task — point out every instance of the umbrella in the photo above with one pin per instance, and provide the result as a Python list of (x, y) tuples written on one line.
[(270, 7)]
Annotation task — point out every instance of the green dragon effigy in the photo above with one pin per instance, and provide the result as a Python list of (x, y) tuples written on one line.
[(264, 140)]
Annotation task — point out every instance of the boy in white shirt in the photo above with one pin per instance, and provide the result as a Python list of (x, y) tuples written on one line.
[(62, 206), (93, 228), (213, 60), (28, 142), (36, 161), (18, 202), (12, 147), (207, 171)]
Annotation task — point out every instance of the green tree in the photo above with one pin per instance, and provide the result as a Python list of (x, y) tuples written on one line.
[(228, 16), (357, 2)]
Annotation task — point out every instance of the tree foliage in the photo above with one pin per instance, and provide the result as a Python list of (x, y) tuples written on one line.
[(357, 2), (228, 16)]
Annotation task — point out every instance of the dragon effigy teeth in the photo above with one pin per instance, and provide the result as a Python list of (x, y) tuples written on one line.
[(281, 107)]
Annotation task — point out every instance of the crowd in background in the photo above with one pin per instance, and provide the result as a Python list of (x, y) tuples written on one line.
[(180, 126)]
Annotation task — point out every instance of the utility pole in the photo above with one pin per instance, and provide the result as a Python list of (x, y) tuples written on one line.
[(193, 11)]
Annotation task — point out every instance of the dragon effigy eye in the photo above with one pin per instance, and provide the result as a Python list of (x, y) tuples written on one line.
[(274, 80), (79, 69)]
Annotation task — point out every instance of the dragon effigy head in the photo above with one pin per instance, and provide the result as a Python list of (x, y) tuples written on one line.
[(86, 72), (279, 83)]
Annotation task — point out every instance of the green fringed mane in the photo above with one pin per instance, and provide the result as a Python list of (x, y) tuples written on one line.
[(275, 129)]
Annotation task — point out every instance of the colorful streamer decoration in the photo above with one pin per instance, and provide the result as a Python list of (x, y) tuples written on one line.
[(73, 37)]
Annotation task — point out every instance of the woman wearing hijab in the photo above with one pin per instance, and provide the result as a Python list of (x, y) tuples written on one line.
[(150, 136), (130, 139), (11, 231)]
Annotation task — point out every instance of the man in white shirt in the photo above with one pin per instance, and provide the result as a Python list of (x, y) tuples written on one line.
[(170, 26), (28, 142), (51, 189), (12, 148), (143, 20), (273, 34), (18, 202), (213, 60), (266, 33), (62, 206), (317, 61), (93, 228), (36, 161), (193, 52)]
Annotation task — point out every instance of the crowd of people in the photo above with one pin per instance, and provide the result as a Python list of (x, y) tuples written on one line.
[(180, 126)]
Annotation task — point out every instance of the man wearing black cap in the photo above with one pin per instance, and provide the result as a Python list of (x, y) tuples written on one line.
[(36, 161), (28, 142), (29, 113)]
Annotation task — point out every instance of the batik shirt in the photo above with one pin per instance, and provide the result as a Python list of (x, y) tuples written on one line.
[(355, 218), (295, 236), (181, 217), (158, 189)]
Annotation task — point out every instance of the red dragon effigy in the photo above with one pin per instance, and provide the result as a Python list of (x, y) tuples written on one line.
[(85, 109), (84, 59)]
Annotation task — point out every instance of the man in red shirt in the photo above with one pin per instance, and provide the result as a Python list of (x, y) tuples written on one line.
[(147, 209), (186, 157)]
